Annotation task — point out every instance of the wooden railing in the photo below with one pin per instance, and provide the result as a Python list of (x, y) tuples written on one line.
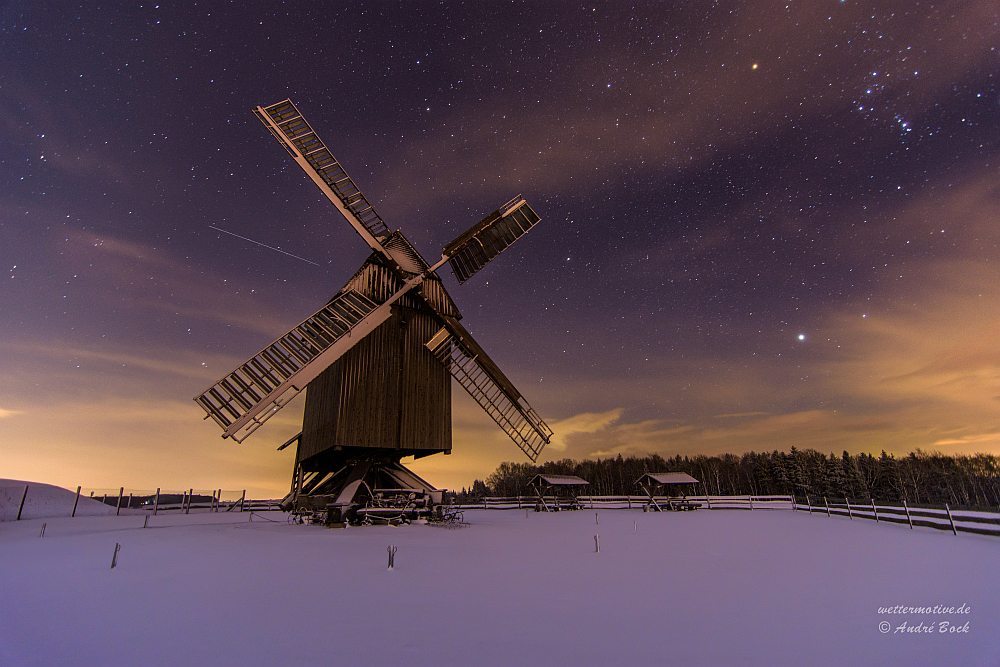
[(941, 517), (632, 502)]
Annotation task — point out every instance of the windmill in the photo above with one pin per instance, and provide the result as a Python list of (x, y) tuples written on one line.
[(378, 359)]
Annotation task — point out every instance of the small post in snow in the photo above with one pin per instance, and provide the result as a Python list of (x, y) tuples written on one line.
[(187, 510), (848, 502), (76, 502), (392, 556), (118, 505), (875, 509), (21, 507), (597, 520), (597, 544), (827, 503), (42, 534), (156, 501), (114, 556), (145, 522), (809, 503), (242, 498), (950, 518), (907, 508)]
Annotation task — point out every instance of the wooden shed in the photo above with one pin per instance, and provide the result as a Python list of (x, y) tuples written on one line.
[(653, 483), (563, 489)]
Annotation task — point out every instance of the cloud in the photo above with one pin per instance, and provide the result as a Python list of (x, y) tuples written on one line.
[(9, 413), (972, 439), (740, 415), (587, 422)]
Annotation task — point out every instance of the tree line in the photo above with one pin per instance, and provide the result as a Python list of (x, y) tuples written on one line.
[(919, 477)]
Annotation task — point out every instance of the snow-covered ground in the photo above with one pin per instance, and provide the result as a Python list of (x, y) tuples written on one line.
[(44, 501), (695, 588)]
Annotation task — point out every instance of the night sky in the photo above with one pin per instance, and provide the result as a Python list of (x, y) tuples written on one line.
[(764, 224)]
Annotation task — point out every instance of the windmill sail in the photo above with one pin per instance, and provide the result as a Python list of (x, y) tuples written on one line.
[(244, 399), (477, 247), (294, 133), (475, 371)]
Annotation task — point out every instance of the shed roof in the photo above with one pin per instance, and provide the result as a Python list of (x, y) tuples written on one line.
[(667, 478), (557, 480)]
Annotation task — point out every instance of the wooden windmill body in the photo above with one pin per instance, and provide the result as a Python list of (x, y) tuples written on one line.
[(378, 358)]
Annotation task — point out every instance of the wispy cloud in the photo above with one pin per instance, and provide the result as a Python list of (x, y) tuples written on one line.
[(587, 422)]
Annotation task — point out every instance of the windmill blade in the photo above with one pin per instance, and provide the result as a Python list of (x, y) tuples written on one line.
[(477, 247), (293, 132), (244, 399), (475, 371)]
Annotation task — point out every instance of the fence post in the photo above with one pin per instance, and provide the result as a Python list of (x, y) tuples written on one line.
[(847, 501), (156, 502), (708, 499), (750, 498), (23, 496), (907, 508), (793, 502), (118, 505), (951, 519), (187, 510), (76, 502), (243, 498), (809, 503), (875, 509), (827, 503)]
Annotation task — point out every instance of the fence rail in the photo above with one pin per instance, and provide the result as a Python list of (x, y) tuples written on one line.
[(633, 502), (929, 516), (981, 522), (184, 501)]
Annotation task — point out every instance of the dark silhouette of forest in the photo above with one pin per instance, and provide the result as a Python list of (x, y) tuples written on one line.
[(918, 478)]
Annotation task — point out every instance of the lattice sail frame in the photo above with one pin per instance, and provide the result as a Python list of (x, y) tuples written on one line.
[(506, 407), (247, 397), (477, 247)]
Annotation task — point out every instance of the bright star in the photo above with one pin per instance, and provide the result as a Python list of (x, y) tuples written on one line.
[(802, 336)]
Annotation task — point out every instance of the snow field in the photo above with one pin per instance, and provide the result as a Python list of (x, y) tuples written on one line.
[(691, 588)]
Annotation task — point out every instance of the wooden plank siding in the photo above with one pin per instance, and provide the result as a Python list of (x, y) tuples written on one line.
[(387, 392)]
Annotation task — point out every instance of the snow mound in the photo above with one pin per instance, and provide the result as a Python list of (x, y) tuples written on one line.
[(44, 501)]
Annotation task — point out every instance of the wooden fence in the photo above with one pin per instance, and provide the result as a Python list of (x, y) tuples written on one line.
[(931, 516), (632, 502)]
